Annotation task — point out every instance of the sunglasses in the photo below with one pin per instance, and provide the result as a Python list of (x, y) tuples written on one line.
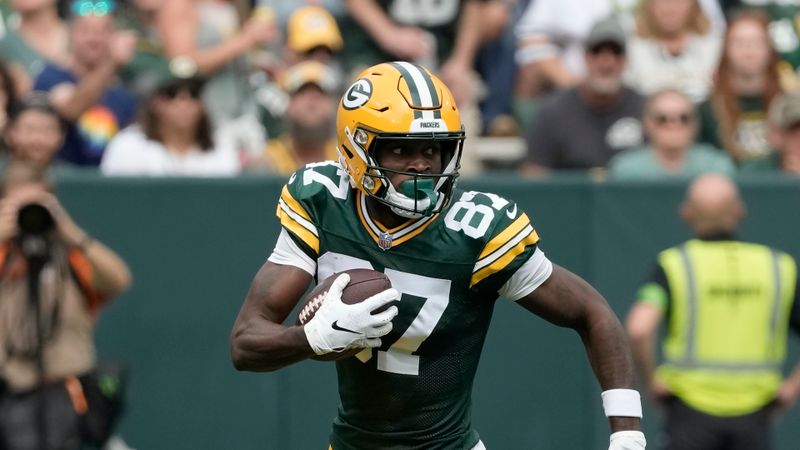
[(662, 119), (172, 91), (615, 49), (83, 8)]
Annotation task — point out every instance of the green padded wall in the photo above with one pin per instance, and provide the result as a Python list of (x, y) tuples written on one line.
[(194, 245)]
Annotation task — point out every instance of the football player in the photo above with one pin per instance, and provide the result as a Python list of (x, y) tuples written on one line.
[(391, 204)]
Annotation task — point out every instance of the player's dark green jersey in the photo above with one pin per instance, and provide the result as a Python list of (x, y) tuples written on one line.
[(415, 390)]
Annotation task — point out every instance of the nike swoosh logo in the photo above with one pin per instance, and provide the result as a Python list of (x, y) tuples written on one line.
[(335, 326), (513, 213)]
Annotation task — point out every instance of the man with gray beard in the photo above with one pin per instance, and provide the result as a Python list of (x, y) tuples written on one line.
[(584, 126), (309, 119)]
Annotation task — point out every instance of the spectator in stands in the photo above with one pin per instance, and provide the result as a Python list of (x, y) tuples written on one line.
[(551, 35), (728, 306), (149, 64), (784, 131), (310, 117), (206, 34), (584, 126), (35, 131), (746, 81), (444, 38), (48, 352), (8, 97), (497, 68), (86, 91), (174, 137), (312, 34), (784, 32), (674, 47), (670, 124), (41, 37)]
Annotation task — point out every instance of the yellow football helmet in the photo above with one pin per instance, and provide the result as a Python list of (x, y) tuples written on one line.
[(399, 100)]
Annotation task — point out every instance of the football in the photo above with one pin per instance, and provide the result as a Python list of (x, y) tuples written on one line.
[(364, 283)]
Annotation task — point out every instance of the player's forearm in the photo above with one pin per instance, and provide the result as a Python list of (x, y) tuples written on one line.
[(610, 356), (607, 347), (262, 346)]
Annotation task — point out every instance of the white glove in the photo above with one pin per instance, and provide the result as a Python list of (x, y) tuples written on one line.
[(338, 326), (627, 440)]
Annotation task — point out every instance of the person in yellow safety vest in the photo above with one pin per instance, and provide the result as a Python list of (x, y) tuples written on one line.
[(728, 306)]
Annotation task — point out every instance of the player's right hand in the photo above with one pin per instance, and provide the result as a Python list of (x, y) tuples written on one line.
[(338, 326)]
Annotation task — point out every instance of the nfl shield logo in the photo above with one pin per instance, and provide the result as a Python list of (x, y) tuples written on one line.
[(385, 241)]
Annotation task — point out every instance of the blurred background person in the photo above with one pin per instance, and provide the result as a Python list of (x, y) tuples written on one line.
[(670, 123), (727, 307), (734, 117), (207, 35), (443, 37), (37, 36), (674, 46), (310, 118), (497, 68), (149, 64), (173, 137), (8, 97), (784, 136), (551, 35), (312, 34), (46, 343), (34, 133), (784, 31), (86, 91), (584, 126)]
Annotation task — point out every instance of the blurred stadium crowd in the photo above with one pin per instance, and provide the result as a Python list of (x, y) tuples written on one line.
[(643, 89)]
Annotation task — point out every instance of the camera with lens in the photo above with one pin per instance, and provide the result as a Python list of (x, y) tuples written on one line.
[(34, 219)]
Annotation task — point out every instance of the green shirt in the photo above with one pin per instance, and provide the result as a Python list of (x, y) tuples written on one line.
[(750, 133), (768, 165), (641, 164), (439, 18), (14, 49)]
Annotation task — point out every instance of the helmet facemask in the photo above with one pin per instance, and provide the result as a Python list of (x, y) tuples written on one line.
[(423, 194)]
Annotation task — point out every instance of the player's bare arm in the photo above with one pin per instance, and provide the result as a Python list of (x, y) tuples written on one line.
[(258, 341), (567, 300)]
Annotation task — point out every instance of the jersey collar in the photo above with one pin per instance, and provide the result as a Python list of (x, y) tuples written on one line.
[(387, 238)]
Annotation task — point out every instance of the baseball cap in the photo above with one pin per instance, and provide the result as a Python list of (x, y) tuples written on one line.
[(784, 112), (310, 72), (313, 26), (606, 31)]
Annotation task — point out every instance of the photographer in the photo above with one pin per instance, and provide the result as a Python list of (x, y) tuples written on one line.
[(54, 278)]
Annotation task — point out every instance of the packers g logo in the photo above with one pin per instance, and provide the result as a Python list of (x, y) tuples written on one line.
[(358, 94)]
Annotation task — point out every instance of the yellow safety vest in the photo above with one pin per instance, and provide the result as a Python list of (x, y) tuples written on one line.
[(726, 339)]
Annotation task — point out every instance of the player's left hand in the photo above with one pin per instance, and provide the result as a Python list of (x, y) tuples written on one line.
[(627, 440)]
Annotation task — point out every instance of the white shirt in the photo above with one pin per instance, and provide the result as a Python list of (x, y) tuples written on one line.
[(130, 153), (652, 68)]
